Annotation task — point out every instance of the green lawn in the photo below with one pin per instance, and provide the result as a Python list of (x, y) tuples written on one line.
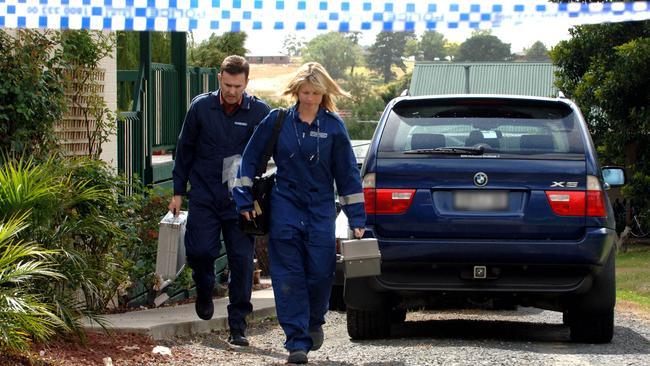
[(633, 275)]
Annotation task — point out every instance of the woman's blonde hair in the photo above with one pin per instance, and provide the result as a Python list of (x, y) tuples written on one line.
[(316, 75)]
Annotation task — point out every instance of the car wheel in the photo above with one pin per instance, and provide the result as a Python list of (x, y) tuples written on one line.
[(592, 328), (397, 316), (368, 324), (591, 318), (337, 302)]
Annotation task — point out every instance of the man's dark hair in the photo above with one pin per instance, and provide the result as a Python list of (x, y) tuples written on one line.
[(234, 65)]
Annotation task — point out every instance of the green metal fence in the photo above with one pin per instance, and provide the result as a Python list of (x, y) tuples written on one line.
[(200, 80), (148, 120), (130, 125), (164, 111)]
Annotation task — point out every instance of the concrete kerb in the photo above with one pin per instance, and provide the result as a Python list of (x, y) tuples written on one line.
[(173, 321)]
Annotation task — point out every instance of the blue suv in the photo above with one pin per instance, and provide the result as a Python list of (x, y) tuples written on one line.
[(487, 201)]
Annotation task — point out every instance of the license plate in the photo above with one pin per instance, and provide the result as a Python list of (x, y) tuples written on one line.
[(481, 200)]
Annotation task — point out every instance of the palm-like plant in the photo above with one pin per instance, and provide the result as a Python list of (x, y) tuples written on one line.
[(24, 314), (64, 212)]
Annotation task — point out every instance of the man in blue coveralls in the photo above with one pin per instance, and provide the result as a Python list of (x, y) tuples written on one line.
[(215, 132)]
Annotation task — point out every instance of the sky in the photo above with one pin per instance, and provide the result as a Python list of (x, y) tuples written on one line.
[(520, 36)]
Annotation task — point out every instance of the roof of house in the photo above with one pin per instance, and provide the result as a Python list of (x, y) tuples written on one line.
[(518, 78)]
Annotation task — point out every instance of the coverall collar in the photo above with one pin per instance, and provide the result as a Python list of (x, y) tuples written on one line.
[(296, 116), (216, 100)]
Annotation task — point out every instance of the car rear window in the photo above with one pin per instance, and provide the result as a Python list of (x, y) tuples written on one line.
[(503, 127)]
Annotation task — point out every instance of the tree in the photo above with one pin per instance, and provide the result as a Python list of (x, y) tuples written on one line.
[(388, 50), (355, 37), (432, 46), (451, 49), (293, 45), (211, 52), (335, 51), (537, 52), (31, 91), (128, 49), (483, 46), (603, 67)]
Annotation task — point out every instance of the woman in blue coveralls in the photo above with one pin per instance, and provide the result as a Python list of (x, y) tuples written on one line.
[(313, 151)]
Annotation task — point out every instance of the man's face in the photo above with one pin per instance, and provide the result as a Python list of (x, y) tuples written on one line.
[(232, 86)]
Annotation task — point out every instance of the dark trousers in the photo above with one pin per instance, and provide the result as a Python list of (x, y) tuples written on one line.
[(302, 271), (206, 223)]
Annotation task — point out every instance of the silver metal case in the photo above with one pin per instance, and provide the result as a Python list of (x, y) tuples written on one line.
[(361, 258), (170, 258)]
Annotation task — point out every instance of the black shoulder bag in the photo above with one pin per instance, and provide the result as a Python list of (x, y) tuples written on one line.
[(262, 186)]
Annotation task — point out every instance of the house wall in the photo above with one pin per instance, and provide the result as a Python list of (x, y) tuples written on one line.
[(109, 149)]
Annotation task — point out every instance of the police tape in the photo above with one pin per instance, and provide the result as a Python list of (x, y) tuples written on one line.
[(303, 15)]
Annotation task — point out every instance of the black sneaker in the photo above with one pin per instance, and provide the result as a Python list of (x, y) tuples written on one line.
[(317, 336), (238, 339), (297, 357), (204, 307)]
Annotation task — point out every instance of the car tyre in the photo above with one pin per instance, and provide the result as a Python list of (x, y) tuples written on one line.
[(368, 324), (595, 325), (397, 316), (337, 302), (592, 328)]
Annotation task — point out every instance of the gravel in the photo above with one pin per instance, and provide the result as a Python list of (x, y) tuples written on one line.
[(527, 336)]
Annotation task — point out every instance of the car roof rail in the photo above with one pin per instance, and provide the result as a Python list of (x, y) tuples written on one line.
[(561, 95), (405, 93)]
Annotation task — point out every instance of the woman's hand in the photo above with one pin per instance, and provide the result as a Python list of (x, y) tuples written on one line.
[(249, 215), (358, 232)]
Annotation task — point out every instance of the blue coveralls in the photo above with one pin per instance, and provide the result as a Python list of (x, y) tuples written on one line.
[(302, 247), (208, 136)]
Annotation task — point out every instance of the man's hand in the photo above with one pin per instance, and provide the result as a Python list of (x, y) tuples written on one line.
[(175, 205), (358, 232)]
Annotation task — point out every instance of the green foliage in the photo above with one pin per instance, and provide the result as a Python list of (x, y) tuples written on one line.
[(388, 50), (603, 68), (24, 315), (31, 90), (395, 88), (128, 49), (433, 46), (366, 103), (74, 210), (633, 275), (335, 51), (145, 210), (483, 46), (270, 99), (211, 52), (537, 53), (82, 52)]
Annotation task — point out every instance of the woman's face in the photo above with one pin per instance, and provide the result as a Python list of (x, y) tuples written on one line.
[(308, 96)]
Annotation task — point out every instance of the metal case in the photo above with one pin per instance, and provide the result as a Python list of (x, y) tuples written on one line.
[(170, 258), (361, 258)]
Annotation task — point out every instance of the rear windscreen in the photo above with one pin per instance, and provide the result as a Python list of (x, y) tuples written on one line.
[(498, 126)]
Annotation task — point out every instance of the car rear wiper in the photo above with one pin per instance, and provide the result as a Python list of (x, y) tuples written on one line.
[(449, 150)]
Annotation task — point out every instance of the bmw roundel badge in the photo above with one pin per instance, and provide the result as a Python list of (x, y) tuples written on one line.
[(480, 179)]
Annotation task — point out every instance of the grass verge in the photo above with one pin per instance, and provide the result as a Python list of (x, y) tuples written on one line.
[(633, 275)]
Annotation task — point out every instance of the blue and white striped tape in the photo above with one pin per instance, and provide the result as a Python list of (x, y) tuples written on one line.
[(303, 15)]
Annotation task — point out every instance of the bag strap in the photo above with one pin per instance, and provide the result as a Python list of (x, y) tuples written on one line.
[(270, 146)]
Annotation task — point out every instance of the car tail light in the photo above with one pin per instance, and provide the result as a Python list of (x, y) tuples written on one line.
[(567, 203), (595, 198), (385, 200), (579, 203)]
